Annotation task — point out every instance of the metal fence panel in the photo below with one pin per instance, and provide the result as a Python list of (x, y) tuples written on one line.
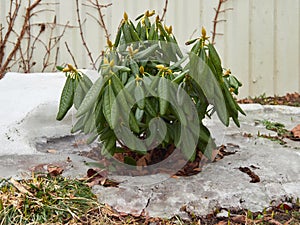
[(260, 41)]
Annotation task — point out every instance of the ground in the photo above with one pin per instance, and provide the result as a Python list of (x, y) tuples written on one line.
[(224, 186)]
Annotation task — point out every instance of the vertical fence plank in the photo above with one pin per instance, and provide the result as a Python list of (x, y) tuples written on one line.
[(262, 48), (237, 43), (287, 47)]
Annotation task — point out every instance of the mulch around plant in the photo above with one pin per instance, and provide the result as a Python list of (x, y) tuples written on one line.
[(157, 155)]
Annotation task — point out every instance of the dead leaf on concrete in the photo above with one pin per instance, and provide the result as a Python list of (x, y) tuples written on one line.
[(98, 176), (296, 131), (54, 170), (251, 174)]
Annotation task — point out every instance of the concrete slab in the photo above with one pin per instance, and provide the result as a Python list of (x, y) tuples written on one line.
[(29, 105)]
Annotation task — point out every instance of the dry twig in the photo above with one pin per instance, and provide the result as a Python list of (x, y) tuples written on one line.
[(27, 17), (164, 10), (96, 5), (11, 18), (53, 42), (82, 36), (72, 56), (216, 19)]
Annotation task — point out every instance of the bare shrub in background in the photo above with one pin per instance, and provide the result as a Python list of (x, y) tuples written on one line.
[(21, 40), (17, 46)]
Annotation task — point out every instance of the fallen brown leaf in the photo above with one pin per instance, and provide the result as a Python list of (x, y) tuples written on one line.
[(239, 219), (296, 131), (99, 177), (252, 175), (54, 170), (285, 206)]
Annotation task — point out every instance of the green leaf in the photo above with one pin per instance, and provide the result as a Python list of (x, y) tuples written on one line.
[(139, 113), (118, 36), (66, 100), (129, 160), (163, 93), (79, 95), (126, 33), (108, 100), (146, 53), (215, 58), (139, 96), (60, 68), (92, 95), (78, 125)]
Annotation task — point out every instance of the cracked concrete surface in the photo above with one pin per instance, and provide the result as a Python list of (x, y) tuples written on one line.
[(221, 184)]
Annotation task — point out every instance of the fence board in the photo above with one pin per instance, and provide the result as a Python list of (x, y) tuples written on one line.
[(287, 46), (261, 41)]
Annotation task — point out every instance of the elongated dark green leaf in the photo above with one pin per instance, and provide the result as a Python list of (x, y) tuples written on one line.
[(66, 100), (139, 96), (109, 98), (92, 95), (134, 67), (127, 34), (214, 56), (118, 37), (92, 138), (79, 95), (78, 125), (163, 93), (145, 53), (133, 123)]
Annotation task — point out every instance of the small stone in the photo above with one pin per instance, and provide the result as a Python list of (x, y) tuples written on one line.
[(223, 213)]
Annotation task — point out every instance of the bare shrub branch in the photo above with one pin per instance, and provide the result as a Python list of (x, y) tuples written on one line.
[(164, 10), (72, 56), (27, 17), (82, 36), (96, 5), (11, 18), (217, 20)]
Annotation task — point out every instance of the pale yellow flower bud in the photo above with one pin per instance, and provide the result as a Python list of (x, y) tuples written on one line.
[(125, 16)]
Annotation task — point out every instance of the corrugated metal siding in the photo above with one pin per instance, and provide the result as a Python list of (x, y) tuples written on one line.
[(261, 41)]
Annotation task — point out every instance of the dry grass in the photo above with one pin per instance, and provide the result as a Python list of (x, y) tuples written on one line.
[(58, 200)]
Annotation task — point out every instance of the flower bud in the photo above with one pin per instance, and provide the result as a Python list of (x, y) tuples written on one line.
[(112, 63), (160, 66), (105, 61), (147, 13), (152, 13), (125, 16), (203, 32), (142, 70), (109, 43)]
